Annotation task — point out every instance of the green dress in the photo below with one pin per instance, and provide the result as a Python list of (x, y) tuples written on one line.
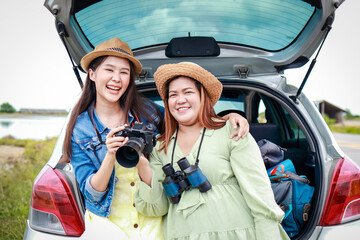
[(240, 204)]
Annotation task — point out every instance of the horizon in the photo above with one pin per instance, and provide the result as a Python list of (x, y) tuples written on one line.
[(63, 110)]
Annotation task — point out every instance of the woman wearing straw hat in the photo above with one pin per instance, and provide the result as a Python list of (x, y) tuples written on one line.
[(228, 194), (108, 103)]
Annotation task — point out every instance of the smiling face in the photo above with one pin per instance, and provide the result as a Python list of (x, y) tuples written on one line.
[(111, 79), (184, 101)]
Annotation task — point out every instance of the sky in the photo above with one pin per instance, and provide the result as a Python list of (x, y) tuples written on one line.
[(36, 71)]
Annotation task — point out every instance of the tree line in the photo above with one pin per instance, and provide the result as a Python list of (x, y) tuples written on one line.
[(7, 108)]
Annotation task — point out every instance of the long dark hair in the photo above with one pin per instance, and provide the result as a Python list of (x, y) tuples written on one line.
[(131, 100)]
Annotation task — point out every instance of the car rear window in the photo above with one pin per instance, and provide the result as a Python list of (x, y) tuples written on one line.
[(264, 24)]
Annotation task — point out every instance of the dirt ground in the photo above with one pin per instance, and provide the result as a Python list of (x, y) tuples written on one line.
[(9, 155), (353, 123)]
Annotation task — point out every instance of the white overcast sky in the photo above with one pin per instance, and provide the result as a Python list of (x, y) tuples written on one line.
[(37, 73)]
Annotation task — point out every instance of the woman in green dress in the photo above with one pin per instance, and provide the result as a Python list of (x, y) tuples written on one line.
[(228, 193)]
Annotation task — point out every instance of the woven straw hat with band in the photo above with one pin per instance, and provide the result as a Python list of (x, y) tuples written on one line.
[(113, 47), (188, 69)]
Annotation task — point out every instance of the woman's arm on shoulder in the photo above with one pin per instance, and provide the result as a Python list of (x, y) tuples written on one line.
[(238, 122)]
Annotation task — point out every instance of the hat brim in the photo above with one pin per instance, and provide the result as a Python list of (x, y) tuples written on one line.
[(169, 71), (88, 58)]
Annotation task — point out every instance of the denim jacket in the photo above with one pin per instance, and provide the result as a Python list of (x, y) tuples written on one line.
[(88, 153)]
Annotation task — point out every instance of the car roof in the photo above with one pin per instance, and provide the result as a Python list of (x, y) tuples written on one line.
[(268, 36)]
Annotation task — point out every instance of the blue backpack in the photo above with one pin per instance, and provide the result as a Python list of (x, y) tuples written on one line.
[(293, 194)]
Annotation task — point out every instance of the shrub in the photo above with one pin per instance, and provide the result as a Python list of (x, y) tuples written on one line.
[(328, 120), (7, 108), (341, 129)]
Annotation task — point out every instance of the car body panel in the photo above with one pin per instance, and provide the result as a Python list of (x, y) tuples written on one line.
[(32, 234), (57, 152), (336, 232)]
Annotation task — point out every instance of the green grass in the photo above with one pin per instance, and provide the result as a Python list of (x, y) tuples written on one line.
[(341, 129), (16, 185)]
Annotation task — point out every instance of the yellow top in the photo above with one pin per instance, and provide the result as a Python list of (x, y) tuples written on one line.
[(123, 213)]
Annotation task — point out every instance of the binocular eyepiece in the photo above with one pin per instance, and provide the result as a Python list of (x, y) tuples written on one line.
[(141, 140), (177, 182)]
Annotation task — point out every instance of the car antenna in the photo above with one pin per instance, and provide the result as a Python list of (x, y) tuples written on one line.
[(328, 27), (62, 33)]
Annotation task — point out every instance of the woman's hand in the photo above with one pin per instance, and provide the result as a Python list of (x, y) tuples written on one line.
[(100, 179), (240, 123), (113, 142), (144, 170)]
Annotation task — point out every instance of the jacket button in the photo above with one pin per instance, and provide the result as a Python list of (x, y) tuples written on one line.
[(135, 225), (132, 184)]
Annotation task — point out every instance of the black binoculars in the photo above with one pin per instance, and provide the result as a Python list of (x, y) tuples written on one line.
[(177, 182)]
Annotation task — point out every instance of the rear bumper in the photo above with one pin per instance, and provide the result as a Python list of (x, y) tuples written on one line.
[(32, 234), (346, 231)]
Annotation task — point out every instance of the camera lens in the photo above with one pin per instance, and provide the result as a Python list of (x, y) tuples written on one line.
[(129, 154)]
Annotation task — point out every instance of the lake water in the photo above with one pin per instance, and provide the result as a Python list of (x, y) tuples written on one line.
[(31, 127)]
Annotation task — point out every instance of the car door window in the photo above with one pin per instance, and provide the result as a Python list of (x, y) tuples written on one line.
[(268, 110)]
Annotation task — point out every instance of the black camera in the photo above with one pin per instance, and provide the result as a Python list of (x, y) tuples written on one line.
[(141, 140), (177, 182)]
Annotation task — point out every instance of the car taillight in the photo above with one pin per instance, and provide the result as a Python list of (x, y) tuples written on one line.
[(53, 207), (343, 200)]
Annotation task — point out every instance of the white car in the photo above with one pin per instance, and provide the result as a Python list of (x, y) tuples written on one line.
[(246, 44)]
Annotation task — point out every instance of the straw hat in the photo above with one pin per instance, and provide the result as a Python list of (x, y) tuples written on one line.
[(188, 69), (113, 47)]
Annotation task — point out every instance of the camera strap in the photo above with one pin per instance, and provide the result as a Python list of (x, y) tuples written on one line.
[(90, 111), (198, 153)]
